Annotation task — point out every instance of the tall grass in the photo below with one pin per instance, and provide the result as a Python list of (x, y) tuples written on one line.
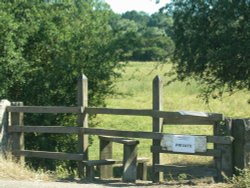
[(12, 170), (134, 90)]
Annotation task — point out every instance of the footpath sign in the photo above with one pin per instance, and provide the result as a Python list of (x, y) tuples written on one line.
[(184, 143)]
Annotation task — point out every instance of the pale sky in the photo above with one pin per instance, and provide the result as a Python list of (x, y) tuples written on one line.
[(149, 6)]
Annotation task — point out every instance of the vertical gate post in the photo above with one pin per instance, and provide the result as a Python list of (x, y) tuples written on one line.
[(17, 139), (82, 121), (224, 163), (241, 145), (157, 125)]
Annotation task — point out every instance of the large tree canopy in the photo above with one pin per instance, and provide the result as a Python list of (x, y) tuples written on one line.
[(44, 48), (212, 39)]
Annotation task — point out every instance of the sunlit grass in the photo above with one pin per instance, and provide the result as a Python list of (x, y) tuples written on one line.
[(134, 90)]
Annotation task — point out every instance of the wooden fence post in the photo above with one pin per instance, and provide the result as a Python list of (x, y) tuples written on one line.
[(82, 101), (224, 163), (106, 147), (17, 139), (157, 125), (241, 145)]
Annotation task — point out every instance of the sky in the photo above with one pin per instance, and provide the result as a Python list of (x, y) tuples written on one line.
[(149, 6)]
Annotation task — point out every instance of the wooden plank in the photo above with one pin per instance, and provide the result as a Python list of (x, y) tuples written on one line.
[(130, 134), (224, 164), (169, 117), (17, 138), (156, 125), (129, 163), (193, 171), (93, 131), (101, 162), (220, 139), (44, 109), (241, 149), (82, 121), (117, 111), (209, 152), (50, 155), (45, 129), (119, 140), (106, 152), (178, 118)]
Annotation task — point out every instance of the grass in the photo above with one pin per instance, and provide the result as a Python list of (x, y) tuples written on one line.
[(12, 170), (134, 90)]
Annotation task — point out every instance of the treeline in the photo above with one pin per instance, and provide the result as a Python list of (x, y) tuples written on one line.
[(143, 37)]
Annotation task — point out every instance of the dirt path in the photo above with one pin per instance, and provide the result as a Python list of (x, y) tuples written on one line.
[(42, 184)]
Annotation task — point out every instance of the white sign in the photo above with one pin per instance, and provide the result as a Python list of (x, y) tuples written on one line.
[(183, 143)]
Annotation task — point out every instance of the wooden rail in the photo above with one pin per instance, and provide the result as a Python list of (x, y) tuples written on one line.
[(169, 117), (105, 132), (44, 109), (50, 155)]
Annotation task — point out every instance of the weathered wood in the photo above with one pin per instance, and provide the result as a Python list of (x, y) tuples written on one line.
[(50, 155), (209, 152), (192, 119), (169, 117), (119, 111), (45, 129), (44, 109), (119, 140), (129, 163), (130, 134), (94, 131), (142, 168), (224, 164), (106, 152), (82, 121), (17, 139), (194, 171), (241, 149), (101, 162), (156, 125)]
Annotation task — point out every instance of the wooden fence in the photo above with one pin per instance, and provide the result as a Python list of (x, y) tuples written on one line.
[(222, 139)]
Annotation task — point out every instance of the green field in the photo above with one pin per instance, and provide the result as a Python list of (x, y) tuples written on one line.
[(134, 90)]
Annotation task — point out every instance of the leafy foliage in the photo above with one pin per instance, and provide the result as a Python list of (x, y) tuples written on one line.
[(212, 41), (141, 37), (44, 47)]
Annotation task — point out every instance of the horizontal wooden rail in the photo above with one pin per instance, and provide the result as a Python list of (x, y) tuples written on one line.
[(209, 152), (45, 129), (182, 117), (50, 155), (105, 132), (44, 109), (194, 171)]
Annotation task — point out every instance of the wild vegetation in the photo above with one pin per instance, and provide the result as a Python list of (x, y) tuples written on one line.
[(46, 45), (212, 40)]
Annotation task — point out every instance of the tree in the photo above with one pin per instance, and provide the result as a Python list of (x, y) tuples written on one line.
[(44, 48), (212, 41)]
